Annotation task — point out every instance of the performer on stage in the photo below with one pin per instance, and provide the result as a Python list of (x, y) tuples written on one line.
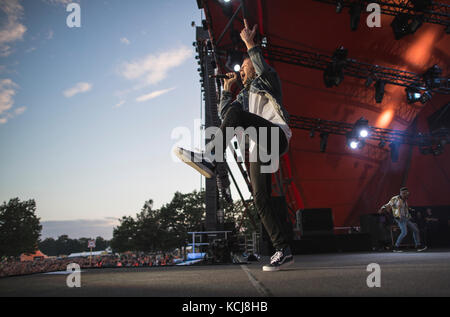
[(258, 105), (398, 205)]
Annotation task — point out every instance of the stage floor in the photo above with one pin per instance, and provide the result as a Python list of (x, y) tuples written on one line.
[(343, 274)]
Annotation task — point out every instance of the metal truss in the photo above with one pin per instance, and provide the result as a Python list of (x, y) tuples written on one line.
[(352, 68), (439, 137), (436, 13)]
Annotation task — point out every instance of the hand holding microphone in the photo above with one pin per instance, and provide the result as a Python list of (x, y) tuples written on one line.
[(230, 79)]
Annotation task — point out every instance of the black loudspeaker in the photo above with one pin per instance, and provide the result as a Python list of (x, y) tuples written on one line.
[(378, 227), (312, 222), (279, 205)]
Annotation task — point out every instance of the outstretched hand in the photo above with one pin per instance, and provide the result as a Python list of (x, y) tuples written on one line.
[(248, 35)]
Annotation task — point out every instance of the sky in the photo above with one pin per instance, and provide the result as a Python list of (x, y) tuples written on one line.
[(87, 113)]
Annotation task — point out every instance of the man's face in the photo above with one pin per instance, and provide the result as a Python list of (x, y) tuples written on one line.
[(404, 194), (247, 70)]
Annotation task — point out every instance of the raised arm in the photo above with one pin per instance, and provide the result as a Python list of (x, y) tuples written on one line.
[(262, 69)]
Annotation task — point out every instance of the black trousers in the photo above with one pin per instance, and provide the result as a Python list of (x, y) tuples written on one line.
[(261, 182)]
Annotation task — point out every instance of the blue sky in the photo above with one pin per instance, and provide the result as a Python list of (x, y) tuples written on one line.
[(86, 114)]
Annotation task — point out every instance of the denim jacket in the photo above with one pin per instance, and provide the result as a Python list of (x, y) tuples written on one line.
[(266, 82)]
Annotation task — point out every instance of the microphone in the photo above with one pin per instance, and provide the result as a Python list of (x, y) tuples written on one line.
[(219, 76)]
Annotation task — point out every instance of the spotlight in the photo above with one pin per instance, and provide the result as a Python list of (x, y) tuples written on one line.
[(339, 6), (361, 128), (334, 74), (425, 97), (438, 150), (400, 25), (412, 94), (363, 133), (379, 91), (416, 23), (355, 14), (394, 151), (323, 141), (234, 60), (431, 77), (354, 144)]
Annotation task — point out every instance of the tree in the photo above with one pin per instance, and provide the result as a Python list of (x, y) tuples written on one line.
[(19, 227), (124, 235), (48, 246)]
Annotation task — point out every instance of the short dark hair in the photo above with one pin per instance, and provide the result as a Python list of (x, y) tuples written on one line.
[(403, 189)]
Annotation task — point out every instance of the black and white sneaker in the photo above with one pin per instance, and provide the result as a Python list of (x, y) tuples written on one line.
[(196, 160), (397, 250), (281, 259), (421, 248)]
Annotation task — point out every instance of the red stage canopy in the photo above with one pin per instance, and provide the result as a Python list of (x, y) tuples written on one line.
[(348, 181)]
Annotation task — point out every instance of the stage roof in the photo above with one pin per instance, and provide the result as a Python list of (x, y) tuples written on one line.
[(348, 181)]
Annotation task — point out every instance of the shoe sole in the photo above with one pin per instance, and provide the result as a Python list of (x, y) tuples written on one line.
[(179, 154), (270, 269), (421, 250)]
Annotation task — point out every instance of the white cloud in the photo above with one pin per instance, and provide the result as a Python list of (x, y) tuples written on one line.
[(77, 89), (154, 68), (153, 94), (7, 92), (12, 30), (119, 104), (125, 41), (20, 110)]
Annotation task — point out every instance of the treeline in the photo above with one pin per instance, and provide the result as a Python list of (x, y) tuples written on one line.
[(162, 229), (167, 228), (65, 246)]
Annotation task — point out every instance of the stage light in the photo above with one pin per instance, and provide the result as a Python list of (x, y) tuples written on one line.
[(234, 60), (412, 94), (432, 77), (334, 74), (339, 6), (323, 141), (361, 128), (355, 14), (394, 151), (379, 91), (425, 97), (363, 133), (416, 23), (354, 144), (400, 25)]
